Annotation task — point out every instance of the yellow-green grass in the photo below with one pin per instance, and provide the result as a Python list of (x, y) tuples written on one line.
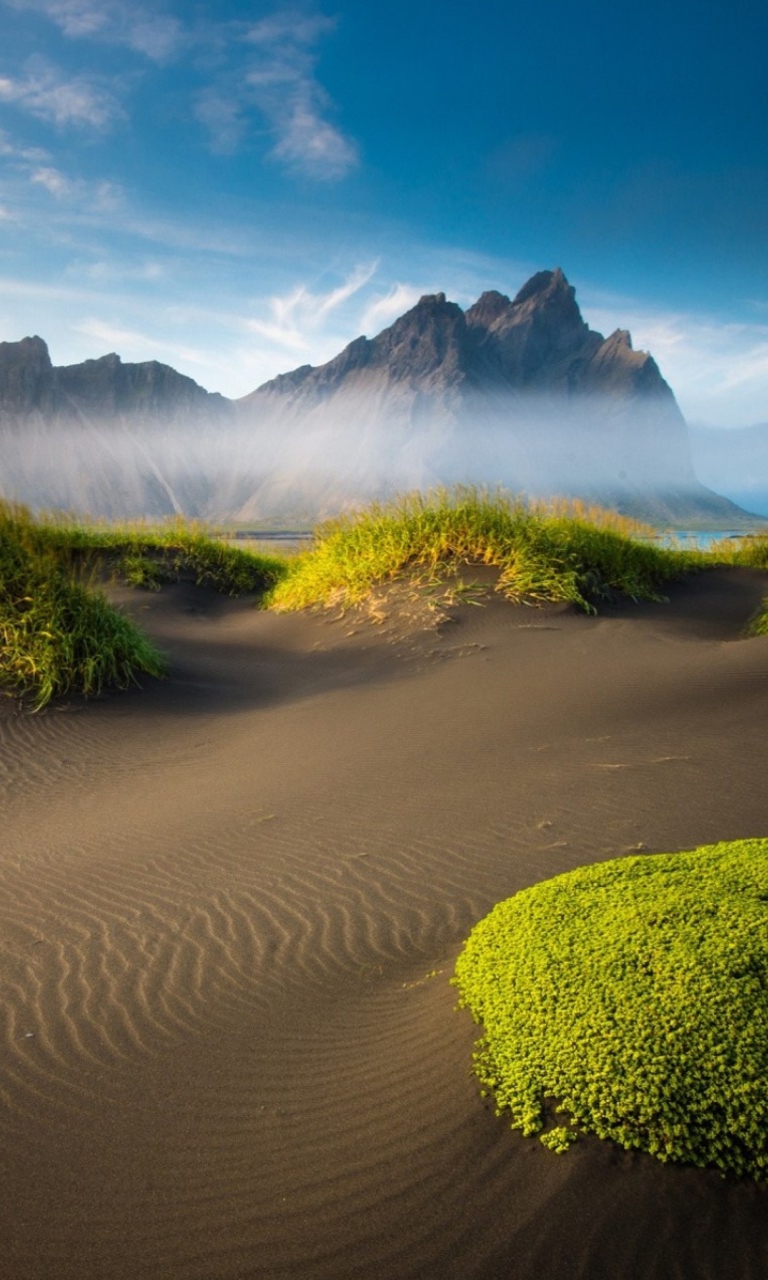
[(59, 634), (750, 553), (630, 1000), (146, 555), (563, 551)]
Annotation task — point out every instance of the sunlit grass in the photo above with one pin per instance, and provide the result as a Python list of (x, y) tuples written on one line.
[(60, 635), (562, 551), (58, 632), (147, 555)]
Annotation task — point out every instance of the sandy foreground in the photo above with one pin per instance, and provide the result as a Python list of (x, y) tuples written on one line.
[(221, 1054)]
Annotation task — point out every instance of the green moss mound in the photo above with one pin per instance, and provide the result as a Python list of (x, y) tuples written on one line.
[(632, 997)]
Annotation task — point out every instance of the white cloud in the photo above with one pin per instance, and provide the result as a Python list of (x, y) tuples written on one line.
[(224, 119), (285, 30), (78, 101), (140, 346), (384, 310), (53, 180), (279, 81), (158, 36), (296, 317), (309, 145), (99, 197)]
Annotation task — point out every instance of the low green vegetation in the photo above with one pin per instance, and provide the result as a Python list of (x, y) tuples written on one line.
[(561, 551), (759, 624), (628, 1000), (555, 552), (146, 556), (59, 634)]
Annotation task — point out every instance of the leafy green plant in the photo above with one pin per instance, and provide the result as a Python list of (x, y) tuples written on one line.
[(631, 997)]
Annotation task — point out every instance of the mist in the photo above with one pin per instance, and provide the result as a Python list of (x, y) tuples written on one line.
[(277, 466)]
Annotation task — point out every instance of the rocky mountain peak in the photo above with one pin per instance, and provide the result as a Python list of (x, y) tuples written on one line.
[(487, 310), (544, 284)]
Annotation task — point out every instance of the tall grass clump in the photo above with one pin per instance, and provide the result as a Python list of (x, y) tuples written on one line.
[(557, 552), (58, 635), (147, 556), (628, 1000)]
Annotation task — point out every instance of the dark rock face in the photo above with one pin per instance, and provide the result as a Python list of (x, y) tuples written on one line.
[(537, 342), (97, 391)]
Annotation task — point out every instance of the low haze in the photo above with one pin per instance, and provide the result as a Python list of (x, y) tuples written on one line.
[(240, 189)]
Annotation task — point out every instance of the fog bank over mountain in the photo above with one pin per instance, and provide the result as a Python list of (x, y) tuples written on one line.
[(513, 392)]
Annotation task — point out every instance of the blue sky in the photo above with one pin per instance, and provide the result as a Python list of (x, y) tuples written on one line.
[(236, 189)]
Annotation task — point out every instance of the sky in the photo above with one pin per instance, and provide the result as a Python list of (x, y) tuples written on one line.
[(237, 189)]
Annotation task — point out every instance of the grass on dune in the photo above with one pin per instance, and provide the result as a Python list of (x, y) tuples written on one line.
[(59, 634), (627, 999), (544, 552), (147, 556)]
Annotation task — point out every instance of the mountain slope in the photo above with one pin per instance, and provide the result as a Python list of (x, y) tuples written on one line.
[(515, 392)]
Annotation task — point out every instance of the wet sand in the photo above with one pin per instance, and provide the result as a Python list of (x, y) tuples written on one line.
[(222, 898)]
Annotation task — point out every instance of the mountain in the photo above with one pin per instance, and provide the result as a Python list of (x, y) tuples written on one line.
[(102, 437), (32, 390), (536, 343), (518, 392)]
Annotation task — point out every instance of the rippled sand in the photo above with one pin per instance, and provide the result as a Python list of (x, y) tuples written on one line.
[(223, 898)]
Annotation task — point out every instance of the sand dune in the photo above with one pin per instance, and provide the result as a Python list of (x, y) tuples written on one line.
[(230, 905)]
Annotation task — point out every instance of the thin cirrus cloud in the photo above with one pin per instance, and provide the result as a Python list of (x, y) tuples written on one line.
[(265, 70), (100, 197), (158, 36), (277, 79), (298, 318), (80, 102)]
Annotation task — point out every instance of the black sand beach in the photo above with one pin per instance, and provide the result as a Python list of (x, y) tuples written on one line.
[(230, 905)]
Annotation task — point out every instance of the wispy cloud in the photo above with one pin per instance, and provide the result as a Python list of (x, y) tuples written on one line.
[(265, 69), (138, 345), (80, 102), (156, 35), (278, 80), (99, 197), (384, 310), (295, 318)]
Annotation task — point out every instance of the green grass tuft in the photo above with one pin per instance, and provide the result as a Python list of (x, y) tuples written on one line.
[(631, 997), (759, 624), (59, 634), (556, 552)]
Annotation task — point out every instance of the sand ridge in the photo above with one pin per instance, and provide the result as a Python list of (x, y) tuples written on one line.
[(230, 905)]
